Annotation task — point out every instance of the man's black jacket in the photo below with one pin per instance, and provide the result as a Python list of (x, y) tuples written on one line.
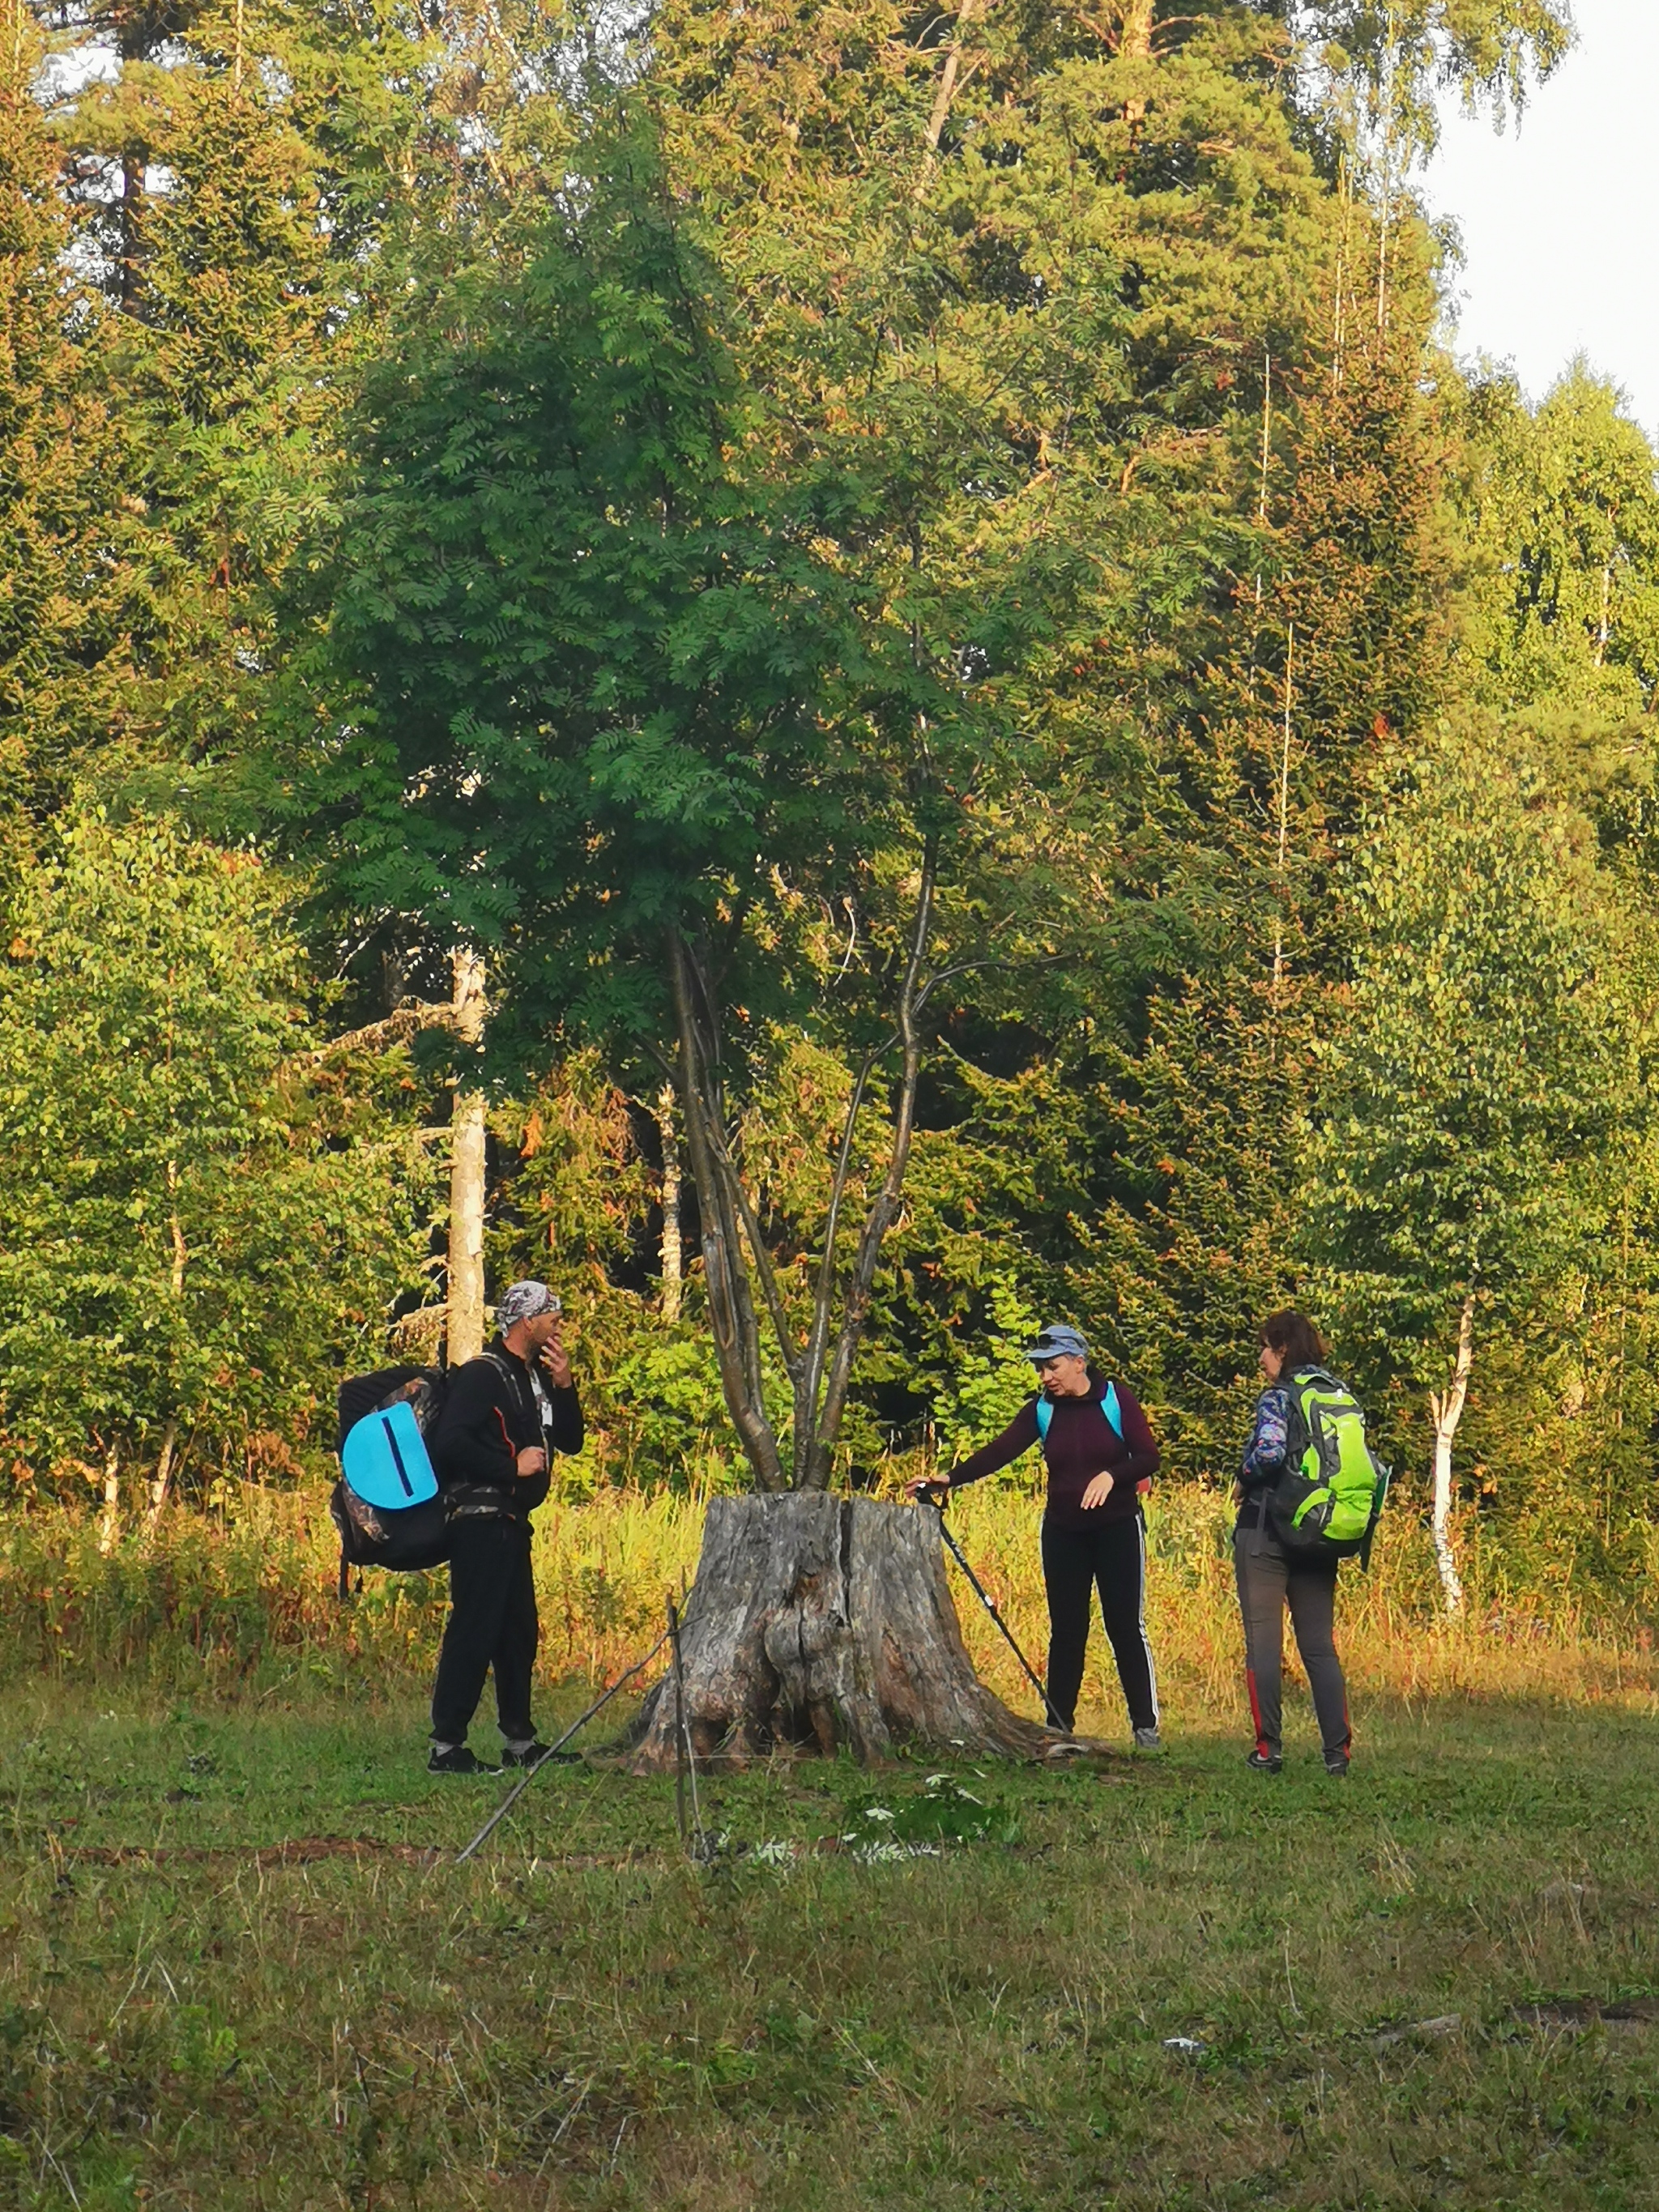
[(490, 1415)]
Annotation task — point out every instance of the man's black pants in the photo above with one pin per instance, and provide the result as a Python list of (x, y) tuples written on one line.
[(1268, 1581), (492, 1624), (1111, 1559)]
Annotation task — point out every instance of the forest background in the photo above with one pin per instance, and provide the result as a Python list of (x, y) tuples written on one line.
[(489, 489)]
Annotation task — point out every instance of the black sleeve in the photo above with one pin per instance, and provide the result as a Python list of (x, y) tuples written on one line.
[(566, 1427), (471, 1443)]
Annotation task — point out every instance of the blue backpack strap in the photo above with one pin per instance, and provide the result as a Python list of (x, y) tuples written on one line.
[(1109, 1406)]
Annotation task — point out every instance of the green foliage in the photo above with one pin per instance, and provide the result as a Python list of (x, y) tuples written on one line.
[(1478, 1076), (59, 602), (989, 1382), (898, 1824), (578, 482), (1561, 508), (1406, 53), (199, 1225)]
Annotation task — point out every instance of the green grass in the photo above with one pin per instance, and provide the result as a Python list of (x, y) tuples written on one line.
[(582, 2018)]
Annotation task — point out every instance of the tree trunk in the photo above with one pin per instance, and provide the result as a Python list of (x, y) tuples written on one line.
[(161, 1481), (952, 78), (821, 1623), (109, 1524), (464, 1324), (673, 1266), (1134, 44), (1446, 1407), (1134, 30)]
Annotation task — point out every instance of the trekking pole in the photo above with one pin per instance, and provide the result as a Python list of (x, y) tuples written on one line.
[(991, 1606), (685, 1758), (530, 1773)]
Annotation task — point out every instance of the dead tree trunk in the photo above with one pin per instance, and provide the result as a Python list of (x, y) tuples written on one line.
[(464, 1324), (819, 1623)]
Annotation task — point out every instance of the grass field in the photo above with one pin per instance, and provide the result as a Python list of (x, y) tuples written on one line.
[(1167, 1982)]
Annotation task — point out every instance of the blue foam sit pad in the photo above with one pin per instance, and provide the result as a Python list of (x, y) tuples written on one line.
[(384, 1460)]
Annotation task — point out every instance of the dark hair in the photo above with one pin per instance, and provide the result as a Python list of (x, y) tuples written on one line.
[(1295, 1339)]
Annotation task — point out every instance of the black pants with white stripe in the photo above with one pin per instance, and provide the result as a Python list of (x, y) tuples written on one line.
[(1111, 1559)]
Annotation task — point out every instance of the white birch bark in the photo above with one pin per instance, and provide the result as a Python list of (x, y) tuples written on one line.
[(109, 1523), (161, 1481), (1446, 1408), (673, 1264), (464, 1322)]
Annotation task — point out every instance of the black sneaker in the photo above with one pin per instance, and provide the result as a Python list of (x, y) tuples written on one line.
[(1336, 1763), (529, 1755), (1265, 1762), (1148, 1739), (457, 1758)]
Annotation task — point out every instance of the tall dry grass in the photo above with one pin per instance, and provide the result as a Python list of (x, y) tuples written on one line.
[(249, 1596)]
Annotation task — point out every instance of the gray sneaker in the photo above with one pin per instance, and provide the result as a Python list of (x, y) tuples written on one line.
[(1148, 1739)]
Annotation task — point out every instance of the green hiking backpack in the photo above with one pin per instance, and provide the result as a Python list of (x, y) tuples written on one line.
[(1327, 1501)]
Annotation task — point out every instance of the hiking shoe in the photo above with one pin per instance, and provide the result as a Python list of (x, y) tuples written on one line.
[(532, 1754), (1265, 1762), (1337, 1763), (457, 1758), (1148, 1739)]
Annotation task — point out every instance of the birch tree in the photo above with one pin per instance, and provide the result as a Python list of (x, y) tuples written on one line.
[(1477, 1069)]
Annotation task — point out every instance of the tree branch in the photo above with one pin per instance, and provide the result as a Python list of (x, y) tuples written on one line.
[(738, 1200), (807, 1393), (731, 1309), (764, 1267), (883, 1213), (951, 80), (414, 1015)]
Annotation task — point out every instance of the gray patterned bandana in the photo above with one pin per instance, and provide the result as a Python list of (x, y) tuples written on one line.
[(525, 1302)]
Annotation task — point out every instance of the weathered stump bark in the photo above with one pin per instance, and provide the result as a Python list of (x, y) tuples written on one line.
[(819, 1624)]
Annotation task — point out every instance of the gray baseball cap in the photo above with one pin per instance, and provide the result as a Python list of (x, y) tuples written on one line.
[(1058, 1338)]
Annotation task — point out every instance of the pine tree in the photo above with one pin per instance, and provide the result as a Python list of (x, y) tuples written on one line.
[(62, 587)]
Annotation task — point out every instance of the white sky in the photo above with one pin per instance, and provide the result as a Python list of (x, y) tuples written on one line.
[(1559, 219)]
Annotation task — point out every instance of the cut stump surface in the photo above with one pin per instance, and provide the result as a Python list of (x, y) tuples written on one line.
[(821, 1623)]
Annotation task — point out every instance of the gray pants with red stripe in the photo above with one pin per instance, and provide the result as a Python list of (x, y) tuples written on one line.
[(1269, 1579)]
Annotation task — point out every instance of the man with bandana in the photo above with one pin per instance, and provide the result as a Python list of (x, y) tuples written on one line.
[(505, 1412)]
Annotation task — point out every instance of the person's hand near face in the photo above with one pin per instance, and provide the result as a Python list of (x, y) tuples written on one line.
[(555, 1360)]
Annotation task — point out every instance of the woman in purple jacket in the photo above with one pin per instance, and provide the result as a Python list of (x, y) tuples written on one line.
[(1101, 1457)]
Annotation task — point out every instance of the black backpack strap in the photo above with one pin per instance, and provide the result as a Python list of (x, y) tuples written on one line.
[(516, 1386), (345, 1576)]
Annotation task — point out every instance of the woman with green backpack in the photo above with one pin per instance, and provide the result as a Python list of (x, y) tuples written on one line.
[(1309, 1492)]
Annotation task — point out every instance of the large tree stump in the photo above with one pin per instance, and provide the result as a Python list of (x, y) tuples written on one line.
[(821, 1622)]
